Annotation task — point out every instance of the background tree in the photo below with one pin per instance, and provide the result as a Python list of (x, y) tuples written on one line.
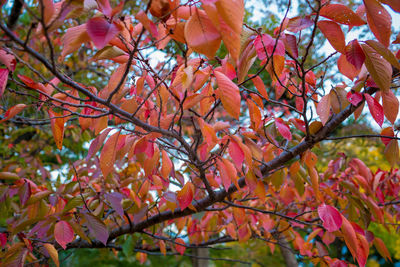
[(205, 143)]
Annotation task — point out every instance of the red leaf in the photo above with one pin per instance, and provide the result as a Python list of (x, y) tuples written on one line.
[(3, 239), (283, 129), (388, 131), (394, 4), (101, 31), (229, 94), (379, 21), (97, 228), (185, 195), (3, 80), (354, 98), (236, 153), (390, 105), (375, 108), (355, 54), (334, 34), (63, 233), (291, 45), (227, 172), (181, 249), (341, 14), (331, 218)]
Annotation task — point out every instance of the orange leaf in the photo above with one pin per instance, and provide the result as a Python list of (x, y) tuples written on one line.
[(229, 94), (227, 172), (73, 39), (390, 105), (166, 165), (232, 12), (382, 249), (350, 236), (14, 110), (57, 127), (201, 35), (108, 153), (324, 108), (52, 252), (185, 195)]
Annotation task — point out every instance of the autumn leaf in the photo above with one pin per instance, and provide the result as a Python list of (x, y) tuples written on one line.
[(201, 35), (324, 108), (101, 31), (283, 129), (3, 80), (63, 233), (180, 246), (390, 105), (108, 153), (379, 68), (97, 228), (379, 21), (334, 34), (355, 54), (52, 252), (13, 111), (330, 216), (229, 94), (57, 127), (185, 195), (341, 14), (375, 108)]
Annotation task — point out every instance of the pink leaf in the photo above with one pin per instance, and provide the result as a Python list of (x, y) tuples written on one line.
[(331, 218), (354, 98), (3, 80), (283, 129), (63, 233), (115, 199), (375, 108), (265, 45), (101, 31)]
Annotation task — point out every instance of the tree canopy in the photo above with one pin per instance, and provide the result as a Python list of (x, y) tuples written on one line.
[(162, 127)]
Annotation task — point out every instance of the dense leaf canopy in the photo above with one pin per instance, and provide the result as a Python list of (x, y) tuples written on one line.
[(166, 126)]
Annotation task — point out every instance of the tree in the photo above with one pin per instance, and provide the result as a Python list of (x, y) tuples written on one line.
[(208, 143)]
